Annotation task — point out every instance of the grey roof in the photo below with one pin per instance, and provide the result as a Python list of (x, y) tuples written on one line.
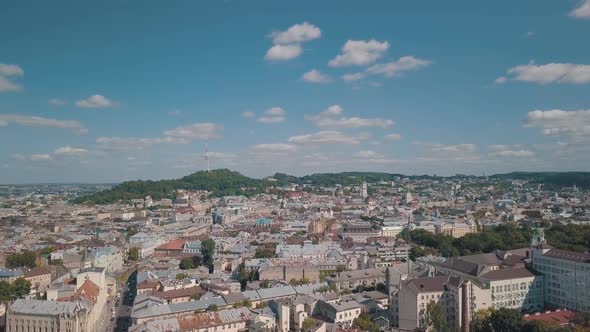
[(41, 307), (270, 293), (7, 273), (160, 310)]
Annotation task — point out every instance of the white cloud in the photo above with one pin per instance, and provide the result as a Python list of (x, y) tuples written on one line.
[(353, 77), (513, 153), (452, 148), (550, 73), (393, 137), (325, 137), (68, 150), (368, 154), (134, 143), (330, 119), (10, 70), (95, 101), (359, 53), (197, 131), (248, 114), (40, 157), (559, 122), (582, 11), (39, 122), (283, 52), (272, 115), (405, 63), (315, 76), (274, 148), (297, 33), (56, 102), (7, 85), (501, 80), (175, 113)]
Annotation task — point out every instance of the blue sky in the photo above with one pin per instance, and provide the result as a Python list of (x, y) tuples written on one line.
[(117, 90)]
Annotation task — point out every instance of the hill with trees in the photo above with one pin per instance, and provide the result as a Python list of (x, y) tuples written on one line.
[(224, 182)]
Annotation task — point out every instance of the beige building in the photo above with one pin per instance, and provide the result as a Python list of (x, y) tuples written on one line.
[(83, 309), (40, 278)]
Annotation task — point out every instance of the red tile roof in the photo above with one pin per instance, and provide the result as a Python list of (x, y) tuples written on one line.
[(88, 290), (561, 317), (173, 245)]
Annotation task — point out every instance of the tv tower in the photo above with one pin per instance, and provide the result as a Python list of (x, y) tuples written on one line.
[(207, 154)]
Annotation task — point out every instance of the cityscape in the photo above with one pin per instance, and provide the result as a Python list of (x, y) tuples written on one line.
[(266, 166)]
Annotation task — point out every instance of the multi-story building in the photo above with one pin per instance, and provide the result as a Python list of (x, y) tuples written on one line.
[(81, 307), (566, 275)]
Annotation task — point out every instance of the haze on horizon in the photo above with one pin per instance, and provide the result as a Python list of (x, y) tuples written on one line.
[(113, 90)]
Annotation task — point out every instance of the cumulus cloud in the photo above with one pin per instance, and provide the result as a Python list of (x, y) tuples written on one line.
[(549, 73), (393, 137), (315, 76), (195, 131), (368, 154), (353, 77), (393, 68), (513, 153), (95, 101), (283, 52), (56, 102), (272, 115), (297, 33), (135, 143), (40, 122), (510, 151), (559, 122), (274, 148), (448, 148), (359, 53), (325, 137), (330, 119), (40, 157), (582, 11), (68, 150), (7, 73)]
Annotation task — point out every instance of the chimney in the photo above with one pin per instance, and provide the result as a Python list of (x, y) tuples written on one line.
[(464, 308)]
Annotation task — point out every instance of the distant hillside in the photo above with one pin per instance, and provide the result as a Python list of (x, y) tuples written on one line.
[(224, 182), (221, 182), (555, 179)]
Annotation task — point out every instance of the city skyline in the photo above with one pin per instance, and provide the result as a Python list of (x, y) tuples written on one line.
[(111, 91)]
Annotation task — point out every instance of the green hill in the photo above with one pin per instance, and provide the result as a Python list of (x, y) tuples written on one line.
[(221, 182), (224, 182)]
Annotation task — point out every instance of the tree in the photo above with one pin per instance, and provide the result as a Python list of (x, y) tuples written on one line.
[(208, 252), (540, 326), (308, 324), (24, 259), (264, 284), (182, 276), (502, 319), (186, 264), (364, 323), (212, 307), (435, 317), (133, 254), (380, 287), (340, 268), (21, 287)]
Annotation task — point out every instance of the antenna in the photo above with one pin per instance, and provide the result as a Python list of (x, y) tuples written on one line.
[(207, 154)]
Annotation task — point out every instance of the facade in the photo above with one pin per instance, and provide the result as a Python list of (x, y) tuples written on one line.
[(83, 309), (40, 278), (566, 277)]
